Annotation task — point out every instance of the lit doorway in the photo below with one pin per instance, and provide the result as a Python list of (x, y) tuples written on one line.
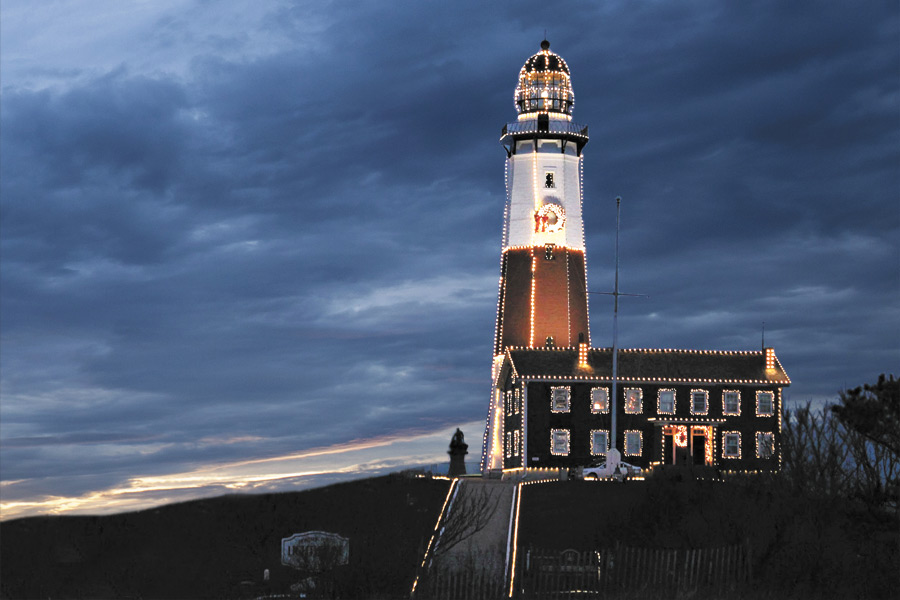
[(687, 444)]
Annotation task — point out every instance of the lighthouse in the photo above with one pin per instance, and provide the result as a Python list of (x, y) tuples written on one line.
[(557, 403), (542, 272), (543, 293)]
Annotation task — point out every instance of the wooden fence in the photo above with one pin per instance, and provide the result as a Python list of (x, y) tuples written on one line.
[(542, 574), (471, 584), (550, 574)]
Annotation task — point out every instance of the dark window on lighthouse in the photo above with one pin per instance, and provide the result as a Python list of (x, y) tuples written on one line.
[(548, 181)]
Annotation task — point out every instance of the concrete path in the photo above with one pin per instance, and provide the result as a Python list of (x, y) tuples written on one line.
[(490, 502)]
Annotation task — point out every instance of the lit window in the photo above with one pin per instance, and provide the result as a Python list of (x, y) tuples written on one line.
[(731, 444), (666, 404), (633, 401), (699, 405), (599, 441), (548, 181), (517, 443), (559, 442), (765, 444), (600, 400), (633, 443), (731, 402), (559, 399), (765, 404)]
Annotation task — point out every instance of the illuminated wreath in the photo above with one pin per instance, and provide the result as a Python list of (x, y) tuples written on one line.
[(681, 436), (556, 216)]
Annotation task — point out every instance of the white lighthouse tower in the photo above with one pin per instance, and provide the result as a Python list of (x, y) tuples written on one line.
[(543, 292)]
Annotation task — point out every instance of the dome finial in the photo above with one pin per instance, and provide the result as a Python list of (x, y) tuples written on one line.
[(545, 45)]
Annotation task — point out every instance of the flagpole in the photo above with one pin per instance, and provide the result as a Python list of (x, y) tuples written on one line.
[(615, 346)]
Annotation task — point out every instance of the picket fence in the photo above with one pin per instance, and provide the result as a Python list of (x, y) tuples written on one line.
[(551, 574)]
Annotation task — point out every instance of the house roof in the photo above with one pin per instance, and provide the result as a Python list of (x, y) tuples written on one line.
[(641, 365)]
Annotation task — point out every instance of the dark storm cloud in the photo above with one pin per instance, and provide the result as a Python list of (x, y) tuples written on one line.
[(292, 239)]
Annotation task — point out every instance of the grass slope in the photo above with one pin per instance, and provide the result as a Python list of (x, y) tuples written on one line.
[(802, 546), (206, 548)]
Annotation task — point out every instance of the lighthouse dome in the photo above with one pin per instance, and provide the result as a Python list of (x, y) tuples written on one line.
[(544, 85)]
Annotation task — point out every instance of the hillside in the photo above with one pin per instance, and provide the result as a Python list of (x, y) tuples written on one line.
[(206, 548), (802, 546)]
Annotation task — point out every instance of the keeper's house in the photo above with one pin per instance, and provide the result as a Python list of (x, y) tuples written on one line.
[(720, 409)]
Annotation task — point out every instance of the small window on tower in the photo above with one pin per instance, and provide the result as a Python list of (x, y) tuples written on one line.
[(548, 251), (548, 181)]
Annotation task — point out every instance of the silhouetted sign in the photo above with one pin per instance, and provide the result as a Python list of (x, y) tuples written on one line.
[(315, 551)]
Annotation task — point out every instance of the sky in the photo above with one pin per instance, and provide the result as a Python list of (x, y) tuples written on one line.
[(253, 247)]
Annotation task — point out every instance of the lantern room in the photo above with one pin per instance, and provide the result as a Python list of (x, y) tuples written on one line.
[(545, 86)]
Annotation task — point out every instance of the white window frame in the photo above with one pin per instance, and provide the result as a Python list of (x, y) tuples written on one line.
[(659, 405), (603, 410), (705, 394), (640, 400), (554, 392), (553, 437), (737, 411), (771, 395), (726, 435), (629, 449), (594, 449), (761, 436)]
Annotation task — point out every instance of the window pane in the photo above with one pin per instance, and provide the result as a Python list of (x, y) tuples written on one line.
[(731, 446), (559, 399), (731, 403), (599, 400), (698, 402), (559, 441), (667, 402), (633, 404), (632, 443)]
